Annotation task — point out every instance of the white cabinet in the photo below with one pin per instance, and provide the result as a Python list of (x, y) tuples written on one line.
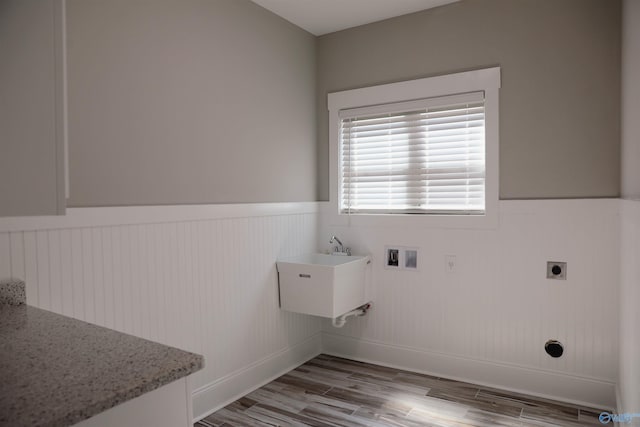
[(167, 406), (32, 107)]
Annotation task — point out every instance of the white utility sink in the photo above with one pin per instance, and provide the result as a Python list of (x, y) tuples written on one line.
[(322, 285)]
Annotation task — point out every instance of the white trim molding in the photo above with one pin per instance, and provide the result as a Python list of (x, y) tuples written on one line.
[(486, 80), (130, 215)]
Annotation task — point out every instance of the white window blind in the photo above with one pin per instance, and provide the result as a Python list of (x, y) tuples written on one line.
[(424, 156)]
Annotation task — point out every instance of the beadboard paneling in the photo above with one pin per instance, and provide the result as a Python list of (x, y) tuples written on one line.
[(204, 285), (497, 307), (629, 376), (210, 286)]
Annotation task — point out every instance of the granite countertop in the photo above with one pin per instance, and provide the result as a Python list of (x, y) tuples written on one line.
[(57, 371)]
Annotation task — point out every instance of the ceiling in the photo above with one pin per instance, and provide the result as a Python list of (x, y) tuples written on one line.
[(326, 16)]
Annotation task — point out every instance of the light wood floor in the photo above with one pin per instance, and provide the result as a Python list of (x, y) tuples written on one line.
[(330, 391)]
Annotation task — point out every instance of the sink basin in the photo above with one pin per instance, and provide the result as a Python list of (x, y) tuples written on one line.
[(322, 285)]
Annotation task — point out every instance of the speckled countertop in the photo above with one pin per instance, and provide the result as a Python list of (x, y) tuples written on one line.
[(57, 371)]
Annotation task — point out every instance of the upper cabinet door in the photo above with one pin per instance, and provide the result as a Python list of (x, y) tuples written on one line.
[(32, 108)]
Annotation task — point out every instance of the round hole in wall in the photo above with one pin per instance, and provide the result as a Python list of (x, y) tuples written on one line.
[(554, 348), (556, 269)]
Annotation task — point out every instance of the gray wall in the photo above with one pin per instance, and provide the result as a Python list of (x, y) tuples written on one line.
[(560, 65), (631, 100), (189, 101), (31, 146)]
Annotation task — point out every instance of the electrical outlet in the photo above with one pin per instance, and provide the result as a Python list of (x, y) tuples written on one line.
[(450, 263)]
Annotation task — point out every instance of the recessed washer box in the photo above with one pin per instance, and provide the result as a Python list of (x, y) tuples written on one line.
[(322, 285), (401, 258)]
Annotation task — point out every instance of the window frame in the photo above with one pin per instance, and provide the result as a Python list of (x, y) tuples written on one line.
[(486, 80)]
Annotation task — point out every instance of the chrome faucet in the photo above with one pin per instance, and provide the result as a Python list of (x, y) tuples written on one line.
[(335, 239), (339, 250)]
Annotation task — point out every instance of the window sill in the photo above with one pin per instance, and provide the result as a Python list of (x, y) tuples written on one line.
[(481, 222)]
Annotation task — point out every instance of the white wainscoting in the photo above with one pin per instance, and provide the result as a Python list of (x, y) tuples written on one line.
[(201, 278), (629, 378), (487, 321)]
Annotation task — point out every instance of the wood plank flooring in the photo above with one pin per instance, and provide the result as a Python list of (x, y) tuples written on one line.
[(331, 391)]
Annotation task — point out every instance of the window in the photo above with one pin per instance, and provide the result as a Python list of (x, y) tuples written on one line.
[(424, 156), (426, 146)]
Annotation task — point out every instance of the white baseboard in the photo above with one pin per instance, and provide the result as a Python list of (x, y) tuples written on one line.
[(218, 394), (552, 385)]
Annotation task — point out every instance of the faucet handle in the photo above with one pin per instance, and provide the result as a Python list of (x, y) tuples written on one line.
[(348, 251)]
